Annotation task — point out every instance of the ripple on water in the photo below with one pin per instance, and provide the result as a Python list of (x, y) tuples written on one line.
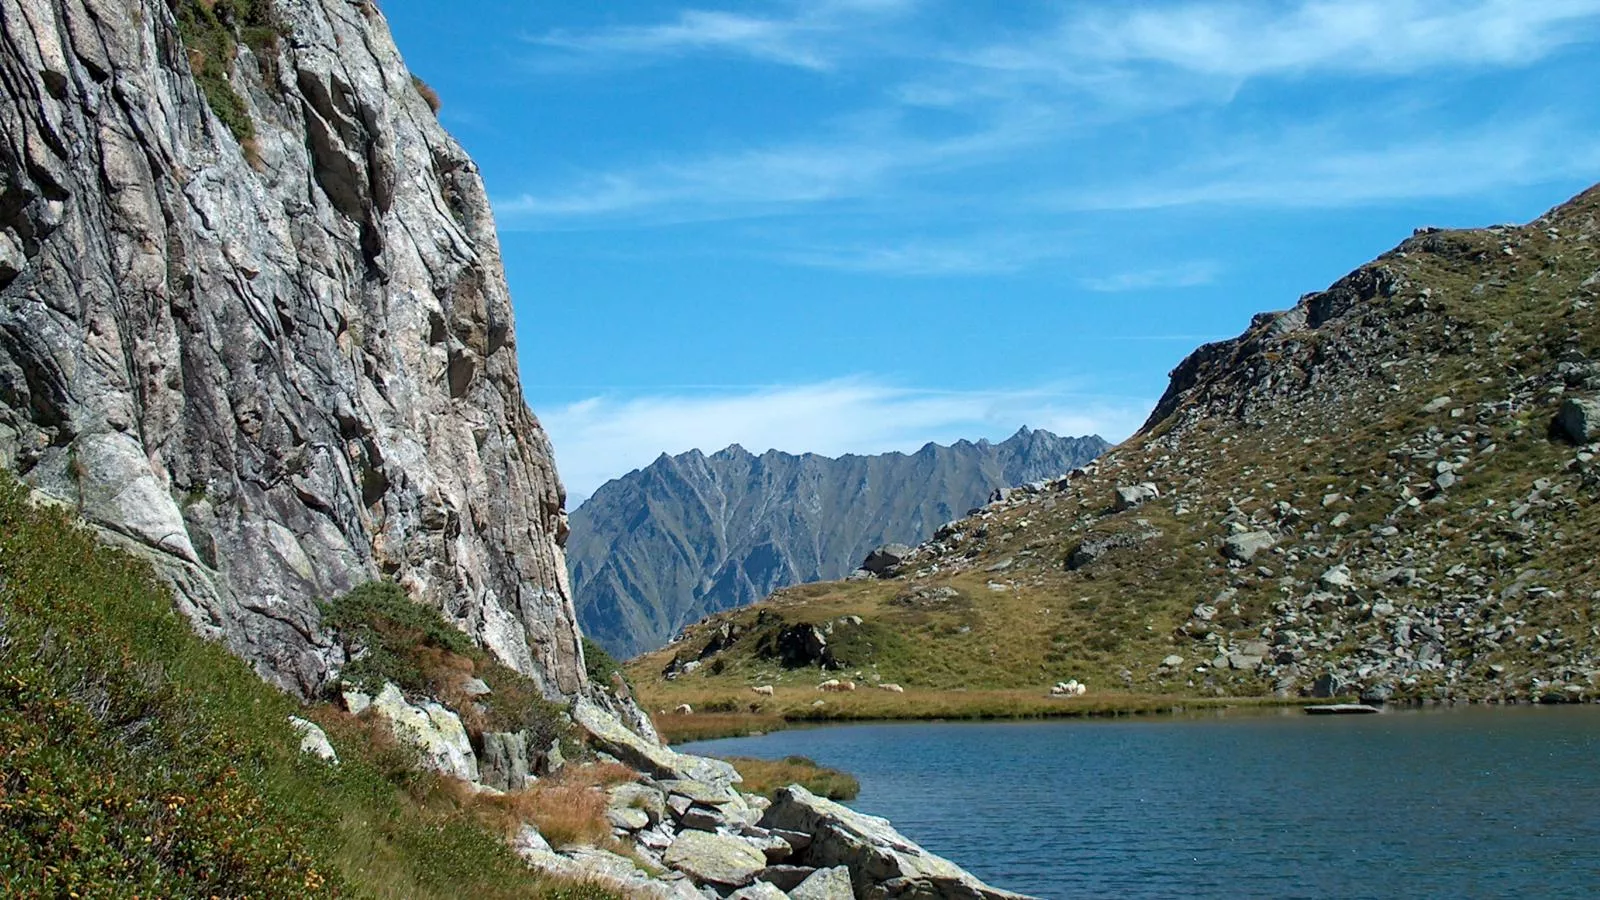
[(1446, 803)]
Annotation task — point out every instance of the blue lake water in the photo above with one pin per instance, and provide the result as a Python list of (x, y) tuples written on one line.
[(1477, 802)]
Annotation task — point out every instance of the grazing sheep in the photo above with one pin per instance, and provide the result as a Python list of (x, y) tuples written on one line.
[(764, 690), (1072, 688), (837, 686), (892, 688), (683, 709)]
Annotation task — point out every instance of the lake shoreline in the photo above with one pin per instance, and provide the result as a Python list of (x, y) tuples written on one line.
[(678, 728)]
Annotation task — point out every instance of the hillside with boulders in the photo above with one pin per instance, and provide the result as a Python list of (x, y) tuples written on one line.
[(1388, 490)]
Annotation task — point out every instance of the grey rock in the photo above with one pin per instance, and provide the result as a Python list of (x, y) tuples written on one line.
[(787, 877), (1579, 419), (716, 858), (1244, 547), (503, 762), (825, 884), (650, 757), (435, 731), (871, 849), (274, 372), (314, 740), (760, 890), (1130, 497), (1092, 548), (628, 819), (641, 797), (886, 559)]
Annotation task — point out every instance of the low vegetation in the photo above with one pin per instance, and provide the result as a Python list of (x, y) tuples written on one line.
[(766, 776), (390, 638), (140, 760), (212, 31)]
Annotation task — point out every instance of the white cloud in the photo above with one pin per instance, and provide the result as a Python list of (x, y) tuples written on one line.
[(1187, 275), (1244, 40), (811, 35), (601, 438)]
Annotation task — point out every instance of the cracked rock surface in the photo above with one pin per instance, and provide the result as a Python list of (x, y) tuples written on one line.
[(276, 370)]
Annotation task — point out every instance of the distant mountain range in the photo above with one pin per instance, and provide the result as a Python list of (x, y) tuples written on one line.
[(692, 534)]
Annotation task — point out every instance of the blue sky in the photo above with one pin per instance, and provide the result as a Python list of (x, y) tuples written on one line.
[(860, 225)]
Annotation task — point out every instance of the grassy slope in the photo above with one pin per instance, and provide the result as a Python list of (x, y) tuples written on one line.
[(1482, 317), (139, 760)]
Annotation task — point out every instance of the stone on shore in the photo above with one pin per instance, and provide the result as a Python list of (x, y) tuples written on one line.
[(716, 858)]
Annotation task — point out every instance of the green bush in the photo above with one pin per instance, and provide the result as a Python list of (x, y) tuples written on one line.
[(599, 664), (390, 637), (137, 759)]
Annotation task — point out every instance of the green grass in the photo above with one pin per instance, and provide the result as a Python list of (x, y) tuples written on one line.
[(138, 760), (212, 33)]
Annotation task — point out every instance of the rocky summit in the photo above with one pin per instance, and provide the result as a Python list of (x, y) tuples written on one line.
[(1388, 490), (253, 326), (692, 534)]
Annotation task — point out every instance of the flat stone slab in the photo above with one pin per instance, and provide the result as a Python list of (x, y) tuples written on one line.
[(716, 858)]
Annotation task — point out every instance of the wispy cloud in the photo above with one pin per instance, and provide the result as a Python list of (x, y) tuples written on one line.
[(600, 438), (1187, 275), (970, 255), (1332, 166), (808, 35), (859, 162), (1245, 40)]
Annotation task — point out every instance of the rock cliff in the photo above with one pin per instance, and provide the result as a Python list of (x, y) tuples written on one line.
[(275, 355), (692, 534)]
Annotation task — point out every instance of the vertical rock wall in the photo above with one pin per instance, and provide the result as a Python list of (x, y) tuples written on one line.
[(278, 369)]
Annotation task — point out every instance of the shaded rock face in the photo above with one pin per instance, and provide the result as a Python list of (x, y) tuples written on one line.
[(692, 535), (276, 379)]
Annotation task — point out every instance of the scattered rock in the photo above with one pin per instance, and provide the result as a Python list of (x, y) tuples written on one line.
[(1579, 420), (314, 740), (1244, 547), (886, 560), (1136, 495)]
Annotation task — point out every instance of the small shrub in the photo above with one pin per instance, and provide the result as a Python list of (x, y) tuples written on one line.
[(428, 94)]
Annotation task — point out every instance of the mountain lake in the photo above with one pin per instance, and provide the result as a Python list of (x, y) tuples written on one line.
[(1434, 802)]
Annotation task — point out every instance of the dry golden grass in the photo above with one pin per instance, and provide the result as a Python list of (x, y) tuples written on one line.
[(766, 776), (568, 807), (678, 728)]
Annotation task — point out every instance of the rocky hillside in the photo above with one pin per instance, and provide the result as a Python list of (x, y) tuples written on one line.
[(693, 534), (253, 326), (1388, 490)]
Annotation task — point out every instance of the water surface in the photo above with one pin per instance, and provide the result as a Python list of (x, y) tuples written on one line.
[(1478, 802)]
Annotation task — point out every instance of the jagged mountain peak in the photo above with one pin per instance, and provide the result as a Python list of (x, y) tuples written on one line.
[(650, 554)]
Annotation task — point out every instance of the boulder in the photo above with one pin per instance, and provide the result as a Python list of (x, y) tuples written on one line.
[(652, 802), (1093, 547), (1136, 495), (886, 559), (1244, 547), (881, 861), (787, 878), (503, 764), (435, 731), (825, 884), (715, 858), (313, 740), (1579, 420), (609, 735), (627, 818)]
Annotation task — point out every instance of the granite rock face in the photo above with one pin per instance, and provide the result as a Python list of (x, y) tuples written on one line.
[(277, 370)]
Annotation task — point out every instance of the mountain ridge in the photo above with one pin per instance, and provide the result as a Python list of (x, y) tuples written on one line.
[(696, 532)]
